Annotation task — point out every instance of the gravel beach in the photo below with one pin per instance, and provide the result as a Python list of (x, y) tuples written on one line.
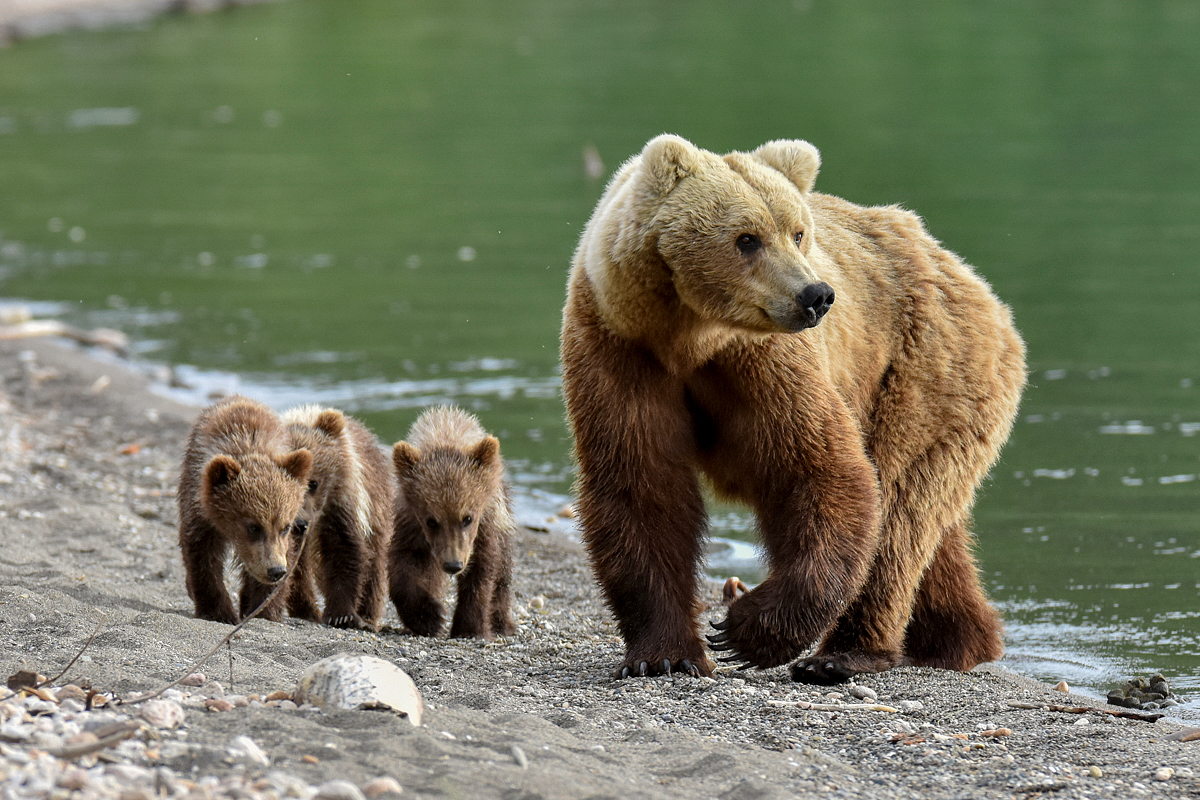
[(88, 466)]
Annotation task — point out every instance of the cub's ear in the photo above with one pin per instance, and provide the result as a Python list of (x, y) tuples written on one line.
[(795, 158), (487, 452), (219, 471), (405, 457), (331, 421), (666, 160), (297, 463)]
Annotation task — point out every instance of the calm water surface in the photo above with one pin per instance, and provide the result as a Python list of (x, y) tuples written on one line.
[(373, 205)]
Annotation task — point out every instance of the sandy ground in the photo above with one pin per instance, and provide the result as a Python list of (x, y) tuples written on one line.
[(88, 467)]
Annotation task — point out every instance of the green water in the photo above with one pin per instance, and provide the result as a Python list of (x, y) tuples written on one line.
[(373, 205)]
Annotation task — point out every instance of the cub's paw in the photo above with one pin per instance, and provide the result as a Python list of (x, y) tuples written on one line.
[(649, 667), (828, 669), (757, 634), (350, 620)]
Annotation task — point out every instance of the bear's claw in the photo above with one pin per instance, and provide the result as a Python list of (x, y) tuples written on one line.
[(645, 669)]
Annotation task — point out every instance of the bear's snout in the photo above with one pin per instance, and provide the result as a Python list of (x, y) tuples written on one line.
[(815, 301), (275, 574), (453, 567)]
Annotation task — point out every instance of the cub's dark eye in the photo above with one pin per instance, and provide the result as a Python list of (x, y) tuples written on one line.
[(255, 530), (799, 237), (300, 527), (312, 485), (431, 523), (748, 243), (467, 520)]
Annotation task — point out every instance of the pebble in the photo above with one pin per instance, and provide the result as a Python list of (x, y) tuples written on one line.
[(1062, 686), (195, 679), (382, 785), (339, 790), (218, 704), (242, 749), (1095, 771), (864, 693), (910, 705), (1164, 774), (519, 756), (162, 713)]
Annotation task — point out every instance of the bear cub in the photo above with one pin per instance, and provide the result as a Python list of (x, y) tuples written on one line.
[(241, 487), (453, 517), (347, 516)]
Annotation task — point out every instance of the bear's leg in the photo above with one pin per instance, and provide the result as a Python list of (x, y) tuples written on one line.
[(204, 562), (472, 615), (373, 596), (953, 626), (502, 623), (254, 593), (343, 560), (302, 597), (417, 583)]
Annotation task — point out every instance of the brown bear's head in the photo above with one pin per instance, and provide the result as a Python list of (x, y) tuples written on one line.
[(254, 501), (447, 490), (733, 234)]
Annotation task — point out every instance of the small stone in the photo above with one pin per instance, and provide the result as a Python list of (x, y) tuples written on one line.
[(1185, 772), (195, 679), (238, 700), (339, 790), (70, 692), (307, 759), (382, 785), (1095, 771), (864, 693), (162, 713), (1062, 686), (1164, 774), (279, 694), (1083, 721), (537, 603), (135, 793), (164, 781), (218, 704), (910, 705), (997, 732), (519, 756), (213, 689), (74, 779), (242, 749)]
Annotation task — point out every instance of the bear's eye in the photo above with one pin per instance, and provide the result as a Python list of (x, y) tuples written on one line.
[(312, 485), (300, 527), (799, 237), (255, 530), (431, 523), (748, 243), (467, 520)]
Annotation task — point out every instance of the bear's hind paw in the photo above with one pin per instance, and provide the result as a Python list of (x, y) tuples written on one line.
[(833, 668)]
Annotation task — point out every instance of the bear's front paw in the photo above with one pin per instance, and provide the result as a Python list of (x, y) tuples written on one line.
[(635, 667), (425, 617), (351, 620), (827, 669), (750, 641)]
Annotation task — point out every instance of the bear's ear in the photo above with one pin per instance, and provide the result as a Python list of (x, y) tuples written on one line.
[(666, 160), (297, 463), (795, 158), (219, 471), (405, 457), (331, 421), (487, 452)]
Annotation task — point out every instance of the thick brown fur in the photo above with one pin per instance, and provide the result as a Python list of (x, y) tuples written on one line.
[(348, 513), (453, 516), (241, 487), (859, 442)]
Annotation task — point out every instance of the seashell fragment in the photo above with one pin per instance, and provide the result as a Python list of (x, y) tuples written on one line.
[(355, 681)]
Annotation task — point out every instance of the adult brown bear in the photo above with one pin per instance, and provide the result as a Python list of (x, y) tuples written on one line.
[(830, 365)]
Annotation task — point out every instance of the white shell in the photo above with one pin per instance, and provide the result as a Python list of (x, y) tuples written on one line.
[(355, 681)]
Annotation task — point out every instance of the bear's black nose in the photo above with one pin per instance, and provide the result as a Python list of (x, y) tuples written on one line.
[(275, 574), (453, 567), (815, 300)]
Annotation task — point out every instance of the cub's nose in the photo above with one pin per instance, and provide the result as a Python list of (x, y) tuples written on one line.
[(275, 574), (815, 301), (453, 567)]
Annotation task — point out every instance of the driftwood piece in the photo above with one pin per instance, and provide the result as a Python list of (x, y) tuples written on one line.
[(1124, 714)]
